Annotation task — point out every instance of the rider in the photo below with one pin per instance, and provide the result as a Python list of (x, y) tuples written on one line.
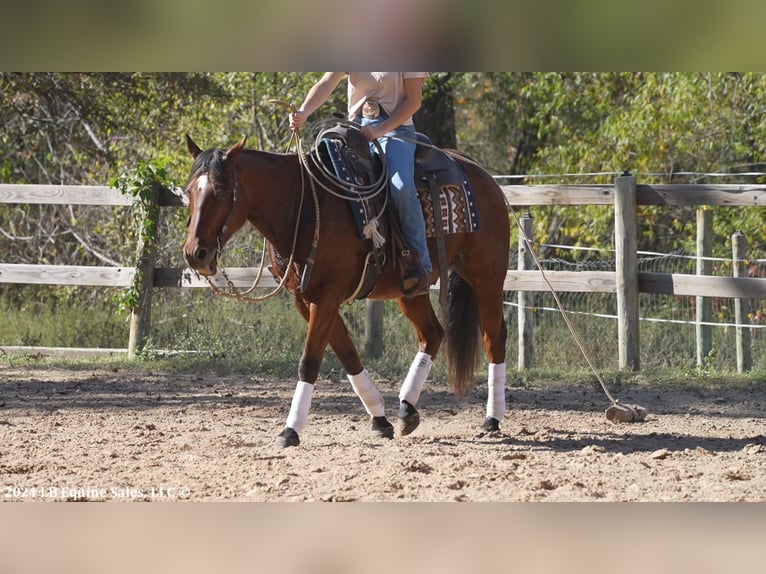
[(384, 103)]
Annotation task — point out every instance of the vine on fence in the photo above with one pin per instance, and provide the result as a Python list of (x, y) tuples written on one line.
[(141, 183)]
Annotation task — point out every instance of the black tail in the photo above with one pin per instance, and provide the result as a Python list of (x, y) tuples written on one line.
[(463, 334)]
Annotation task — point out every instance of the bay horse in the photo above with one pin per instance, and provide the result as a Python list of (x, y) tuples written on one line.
[(229, 187)]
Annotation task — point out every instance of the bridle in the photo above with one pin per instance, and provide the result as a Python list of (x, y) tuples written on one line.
[(315, 171), (233, 292)]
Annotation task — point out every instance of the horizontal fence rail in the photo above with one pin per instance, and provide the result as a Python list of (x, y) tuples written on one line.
[(243, 277), (66, 275), (688, 195), (75, 195), (682, 195)]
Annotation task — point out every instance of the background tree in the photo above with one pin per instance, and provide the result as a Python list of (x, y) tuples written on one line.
[(87, 128), (436, 117), (654, 125)]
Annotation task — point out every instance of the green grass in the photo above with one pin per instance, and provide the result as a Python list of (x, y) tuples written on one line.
[(266, 340), (66, 317)]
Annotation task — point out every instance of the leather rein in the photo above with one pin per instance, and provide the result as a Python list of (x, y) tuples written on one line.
[(245, 295)]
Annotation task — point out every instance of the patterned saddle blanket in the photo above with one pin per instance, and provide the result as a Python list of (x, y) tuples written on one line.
[(456, 198), (348, 155)]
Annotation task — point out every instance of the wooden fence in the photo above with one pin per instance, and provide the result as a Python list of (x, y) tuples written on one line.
[(626, 282)]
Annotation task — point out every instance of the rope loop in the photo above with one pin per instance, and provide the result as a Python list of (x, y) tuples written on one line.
[(342, 188)]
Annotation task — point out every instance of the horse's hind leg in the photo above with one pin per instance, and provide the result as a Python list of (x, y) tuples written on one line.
[(430, 334), (494, 333)]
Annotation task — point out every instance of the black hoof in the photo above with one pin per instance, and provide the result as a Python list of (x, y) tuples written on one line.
[(287, 437), (381, 428), (491, 424), (409, 417)]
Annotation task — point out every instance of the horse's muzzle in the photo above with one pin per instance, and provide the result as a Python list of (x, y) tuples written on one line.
[(202, 260)]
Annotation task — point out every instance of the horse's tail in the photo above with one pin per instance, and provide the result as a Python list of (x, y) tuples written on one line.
[(463, 337)]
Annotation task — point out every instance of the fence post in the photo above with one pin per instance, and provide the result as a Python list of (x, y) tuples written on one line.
[(704, 267), (741, 306), (373, 328), (524, 314), (140, 315), (626, 245)]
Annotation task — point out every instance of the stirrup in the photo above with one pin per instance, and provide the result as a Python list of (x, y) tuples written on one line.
[(415, 283)]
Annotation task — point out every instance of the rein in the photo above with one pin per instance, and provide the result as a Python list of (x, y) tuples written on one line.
[(235, 293), (310, 165)]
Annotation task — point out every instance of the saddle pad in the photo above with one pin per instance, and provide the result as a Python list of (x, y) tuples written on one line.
[(457, 204), (459, 214), (334, 150), (458, 208)]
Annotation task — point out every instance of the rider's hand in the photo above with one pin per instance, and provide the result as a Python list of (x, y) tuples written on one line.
[(373, 132), (297, 119)]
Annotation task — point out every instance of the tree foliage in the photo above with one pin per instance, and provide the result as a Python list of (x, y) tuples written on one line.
[(86, 128), (655, 125)]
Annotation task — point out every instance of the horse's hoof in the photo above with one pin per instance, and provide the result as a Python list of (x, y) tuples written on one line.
[(491, 424), (409, 417), (381, 428), (287, 437)]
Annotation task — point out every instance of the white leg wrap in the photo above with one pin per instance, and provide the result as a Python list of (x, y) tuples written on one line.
[(416, 378), (299, 408), (496, 394), (367, 391)]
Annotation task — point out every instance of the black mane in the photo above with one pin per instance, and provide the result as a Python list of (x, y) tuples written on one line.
[(209, 162)]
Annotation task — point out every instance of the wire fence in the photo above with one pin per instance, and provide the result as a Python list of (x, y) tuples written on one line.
[(668, 322), (189, 320), (674, 176)]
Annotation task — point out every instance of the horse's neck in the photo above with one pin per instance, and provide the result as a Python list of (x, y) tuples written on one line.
[(272, 183)]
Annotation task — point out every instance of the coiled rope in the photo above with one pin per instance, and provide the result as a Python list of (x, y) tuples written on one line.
[(318, 173), (342, 188)]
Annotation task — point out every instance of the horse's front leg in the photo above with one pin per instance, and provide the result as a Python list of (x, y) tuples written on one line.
[(322, 317), (363, 385)]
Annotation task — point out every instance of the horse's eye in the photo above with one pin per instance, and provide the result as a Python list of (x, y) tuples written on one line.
[(219, 192)]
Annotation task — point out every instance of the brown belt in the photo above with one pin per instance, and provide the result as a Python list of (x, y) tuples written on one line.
[(372, 110)]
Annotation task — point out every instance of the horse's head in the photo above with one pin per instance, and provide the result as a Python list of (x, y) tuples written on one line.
[(212, 196)]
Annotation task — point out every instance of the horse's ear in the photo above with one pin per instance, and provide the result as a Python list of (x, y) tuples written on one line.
[(193, 148), (232, 154)]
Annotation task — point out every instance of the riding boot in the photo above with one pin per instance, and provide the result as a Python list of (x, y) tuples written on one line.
[(415, 279)]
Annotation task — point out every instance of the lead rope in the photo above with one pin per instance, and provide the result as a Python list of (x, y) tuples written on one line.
[(576, 338)]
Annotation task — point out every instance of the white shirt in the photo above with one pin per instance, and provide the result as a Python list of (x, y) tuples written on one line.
[(386, 88)]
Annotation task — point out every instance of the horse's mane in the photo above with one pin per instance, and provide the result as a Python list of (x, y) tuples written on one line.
[(208, 162)]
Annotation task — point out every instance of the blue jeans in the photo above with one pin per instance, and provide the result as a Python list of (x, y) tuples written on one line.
[(400, 156)]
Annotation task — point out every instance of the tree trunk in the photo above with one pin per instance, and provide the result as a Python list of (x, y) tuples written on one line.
[(436, 117)]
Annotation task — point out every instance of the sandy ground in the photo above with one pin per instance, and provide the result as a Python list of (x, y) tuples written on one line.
[(137, 436)]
